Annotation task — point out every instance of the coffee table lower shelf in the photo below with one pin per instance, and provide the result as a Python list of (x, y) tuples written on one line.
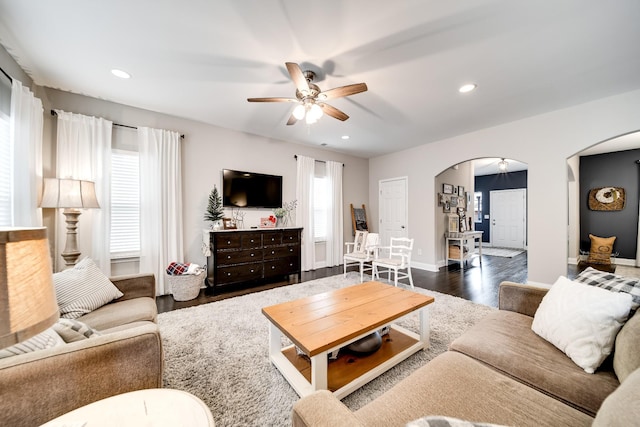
[(349, 371)]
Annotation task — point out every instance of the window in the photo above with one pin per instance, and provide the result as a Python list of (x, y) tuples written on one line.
[(125, 204), (320, 207), (477, 206), (6, 156)]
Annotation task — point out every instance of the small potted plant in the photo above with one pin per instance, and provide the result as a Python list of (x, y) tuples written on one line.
[(215, 211)]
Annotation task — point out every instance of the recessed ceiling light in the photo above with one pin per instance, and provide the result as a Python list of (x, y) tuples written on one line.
[(120, 73), (467, 88), (345, 136)]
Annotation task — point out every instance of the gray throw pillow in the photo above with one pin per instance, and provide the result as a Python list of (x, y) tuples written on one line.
[(82, 289)]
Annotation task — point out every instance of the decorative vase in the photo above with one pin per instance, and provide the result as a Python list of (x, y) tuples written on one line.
[(282, 221)]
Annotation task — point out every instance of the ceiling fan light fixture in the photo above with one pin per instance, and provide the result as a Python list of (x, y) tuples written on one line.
[(299, 112), (120, 73), (502, 165), (316, 111)]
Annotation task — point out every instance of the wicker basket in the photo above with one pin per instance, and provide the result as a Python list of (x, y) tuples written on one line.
[(185, 287)]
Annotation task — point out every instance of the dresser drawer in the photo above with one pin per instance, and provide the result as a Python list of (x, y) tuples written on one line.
[(238, 257), (280, 251), (272, 238), (281, 266), (291, 236), (227, 241), (238, 273), (251, 240)]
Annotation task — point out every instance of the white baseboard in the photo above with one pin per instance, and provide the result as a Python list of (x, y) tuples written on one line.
[(620, 261), (424, 266)]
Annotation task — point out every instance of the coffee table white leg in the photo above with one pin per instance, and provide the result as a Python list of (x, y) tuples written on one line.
[(275, 340), (319, 372), (424, 326)]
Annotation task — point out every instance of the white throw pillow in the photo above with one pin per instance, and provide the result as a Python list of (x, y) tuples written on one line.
[(581, 320), (82, 289)]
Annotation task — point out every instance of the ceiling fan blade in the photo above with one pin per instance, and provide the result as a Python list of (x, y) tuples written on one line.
[(333, 112), (275, 99), (292, 121), (298, 77), (341, 91)]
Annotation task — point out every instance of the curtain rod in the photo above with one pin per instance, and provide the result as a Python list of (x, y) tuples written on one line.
[(53, 113), (295, 156), (6, 74)]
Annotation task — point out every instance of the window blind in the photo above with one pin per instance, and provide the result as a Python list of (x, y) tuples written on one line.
[(125, 204)]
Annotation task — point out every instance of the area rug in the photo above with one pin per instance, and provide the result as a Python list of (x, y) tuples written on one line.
[(219, 352), (501, 252)]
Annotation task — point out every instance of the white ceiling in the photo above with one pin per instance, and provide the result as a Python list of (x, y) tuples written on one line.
[(201, 59)]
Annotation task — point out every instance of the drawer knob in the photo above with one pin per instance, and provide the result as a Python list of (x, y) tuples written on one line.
[(273, 252), (290, 249), (273, 267), (228, 274), (228, 256), (253, 254), (252, 270), (228, 242)]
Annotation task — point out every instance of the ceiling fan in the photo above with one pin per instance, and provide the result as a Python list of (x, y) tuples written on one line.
[(310, 98)]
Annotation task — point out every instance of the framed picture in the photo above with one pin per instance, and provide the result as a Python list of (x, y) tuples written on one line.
[(446, 207), (454, 201), (441, 199), (455, 190), (462, 202), (447, 188), (229, 224), (460, 190)]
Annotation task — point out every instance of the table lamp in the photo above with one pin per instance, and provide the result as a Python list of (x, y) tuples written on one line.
[(71, 195), (27, 298)]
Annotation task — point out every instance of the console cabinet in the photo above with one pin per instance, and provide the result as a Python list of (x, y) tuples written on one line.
[(252, 256)]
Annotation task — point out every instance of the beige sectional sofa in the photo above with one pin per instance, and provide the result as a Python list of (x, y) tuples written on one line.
[(501, 372), (126, 356)]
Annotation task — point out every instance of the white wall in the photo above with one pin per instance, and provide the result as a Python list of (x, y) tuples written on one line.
[(206, 150), (544, 142)]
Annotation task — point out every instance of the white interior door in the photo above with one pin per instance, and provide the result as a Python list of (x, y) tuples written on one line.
[(393, 209), (508, 218)]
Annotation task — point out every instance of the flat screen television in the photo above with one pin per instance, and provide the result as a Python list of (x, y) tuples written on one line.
[(251, 190)]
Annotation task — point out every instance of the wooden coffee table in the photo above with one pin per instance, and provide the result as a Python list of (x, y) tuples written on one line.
[(323, 323)]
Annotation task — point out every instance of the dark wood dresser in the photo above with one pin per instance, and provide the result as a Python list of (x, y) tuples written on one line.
[(252, 256)]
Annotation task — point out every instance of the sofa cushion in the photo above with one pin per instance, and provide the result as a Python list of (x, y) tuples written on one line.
[(626, 357), (121, 313), (72, 330), (621, 408), (82, 289), (454, 385), (46, 339), (505, 341), (581, 320), (612, 282)]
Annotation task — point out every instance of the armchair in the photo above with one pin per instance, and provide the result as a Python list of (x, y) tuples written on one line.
[(399, 259), (362, 251)]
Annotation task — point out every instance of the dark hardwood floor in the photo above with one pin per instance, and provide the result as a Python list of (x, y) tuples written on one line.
[(476, 282)]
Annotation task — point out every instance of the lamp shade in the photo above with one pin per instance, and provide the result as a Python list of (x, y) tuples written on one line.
[(69, 193), (27, 298)]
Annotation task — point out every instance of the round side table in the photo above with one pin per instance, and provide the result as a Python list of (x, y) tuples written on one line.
[(141, 408)]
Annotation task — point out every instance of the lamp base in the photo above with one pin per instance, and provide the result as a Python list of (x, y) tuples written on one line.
[(71, 252)]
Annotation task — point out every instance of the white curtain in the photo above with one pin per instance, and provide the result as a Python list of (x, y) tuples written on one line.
[(335, 220), (161, 240), (26, 139), (84, 152), (304, 210)]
